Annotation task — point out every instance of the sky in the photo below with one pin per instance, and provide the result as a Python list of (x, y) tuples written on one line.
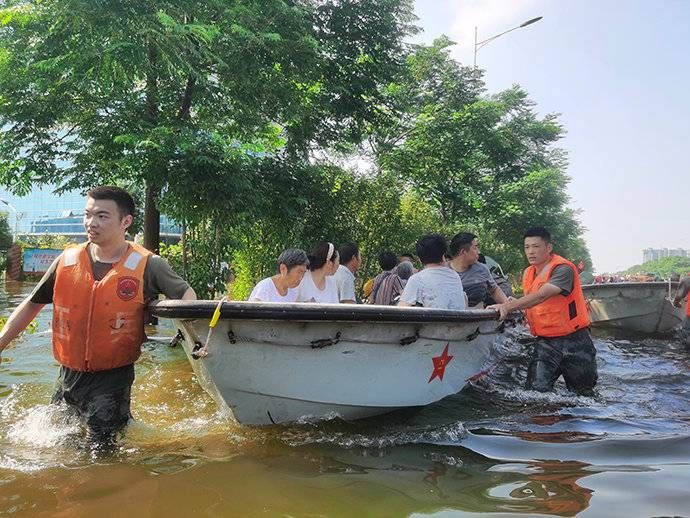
[(618, 72)]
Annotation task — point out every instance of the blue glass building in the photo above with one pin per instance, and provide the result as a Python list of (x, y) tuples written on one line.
[(43, 212)]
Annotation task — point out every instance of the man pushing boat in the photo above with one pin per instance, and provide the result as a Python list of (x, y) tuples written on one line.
[(557, 315), (99, 291)]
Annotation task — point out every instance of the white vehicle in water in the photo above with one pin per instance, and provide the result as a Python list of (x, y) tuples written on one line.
[(635, 307), (275, 363)]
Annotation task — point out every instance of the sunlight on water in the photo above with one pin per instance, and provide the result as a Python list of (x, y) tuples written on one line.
[(495, 447)]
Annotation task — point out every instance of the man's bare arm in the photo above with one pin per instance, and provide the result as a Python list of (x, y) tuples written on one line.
[(498, 295), (528, 301), (20, 318)]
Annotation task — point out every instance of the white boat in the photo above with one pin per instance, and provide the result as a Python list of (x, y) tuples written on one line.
[(636, 307), (276, 363)]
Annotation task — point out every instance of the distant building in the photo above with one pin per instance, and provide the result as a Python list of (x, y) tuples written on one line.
[(652, 254), (42, 212)]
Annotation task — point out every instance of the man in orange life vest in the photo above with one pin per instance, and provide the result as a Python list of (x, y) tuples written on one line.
[(684, 291), (557, 315), (99, 292)]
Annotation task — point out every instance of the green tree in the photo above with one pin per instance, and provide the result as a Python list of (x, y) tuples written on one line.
[(134, 93), (5, 239), (483, 163), (662, 268)]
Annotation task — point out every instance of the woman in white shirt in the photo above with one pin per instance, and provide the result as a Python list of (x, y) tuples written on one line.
[(318, 284), (282, 287)]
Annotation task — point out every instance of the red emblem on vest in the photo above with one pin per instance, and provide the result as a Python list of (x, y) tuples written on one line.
[(127, 288)]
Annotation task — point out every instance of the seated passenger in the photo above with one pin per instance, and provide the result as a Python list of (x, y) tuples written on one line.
[(477, 281), (350, 261), (292, 264), (436, 286), (387, 261), (392, 286), (407, 257), (318, 284)]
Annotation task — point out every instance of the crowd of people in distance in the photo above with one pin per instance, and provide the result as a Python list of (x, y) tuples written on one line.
[(452, 277), (607, 278)]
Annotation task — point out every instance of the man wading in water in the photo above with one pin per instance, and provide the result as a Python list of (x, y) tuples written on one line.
[(99, 291), (557, 316)]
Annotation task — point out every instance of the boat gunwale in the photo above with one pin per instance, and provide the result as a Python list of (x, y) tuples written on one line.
[(655, 284), (310, 312)]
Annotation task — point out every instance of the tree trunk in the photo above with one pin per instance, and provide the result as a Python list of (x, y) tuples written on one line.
[(152, 218), (183, 240)]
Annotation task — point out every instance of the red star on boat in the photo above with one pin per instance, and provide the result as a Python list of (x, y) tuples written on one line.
[(440, 363)]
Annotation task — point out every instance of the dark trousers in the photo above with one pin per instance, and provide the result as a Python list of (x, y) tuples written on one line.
[(685, 331), (100, 399), (572, 356)]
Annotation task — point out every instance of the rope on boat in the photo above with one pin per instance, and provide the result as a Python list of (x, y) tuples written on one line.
[(202, 351)]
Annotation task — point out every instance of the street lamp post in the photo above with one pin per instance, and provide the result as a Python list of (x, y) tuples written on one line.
[(480, 44)]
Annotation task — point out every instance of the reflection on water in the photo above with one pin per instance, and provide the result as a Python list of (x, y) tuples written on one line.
[(493, 448)]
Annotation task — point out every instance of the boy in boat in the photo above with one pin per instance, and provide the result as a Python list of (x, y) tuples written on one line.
[(684, 291), (350, 262), (436, 286), (557, 315), (99, 291)]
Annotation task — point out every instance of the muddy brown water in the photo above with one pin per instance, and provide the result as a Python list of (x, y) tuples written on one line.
[(492, 449)]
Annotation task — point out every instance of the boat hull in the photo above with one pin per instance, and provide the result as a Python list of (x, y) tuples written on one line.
[(632, 307), (287, 370)]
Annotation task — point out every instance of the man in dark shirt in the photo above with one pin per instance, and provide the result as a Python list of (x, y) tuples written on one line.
[(100, 398), (477, 281)]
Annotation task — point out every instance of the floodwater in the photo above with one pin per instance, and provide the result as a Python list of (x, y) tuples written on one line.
[(495, 448)]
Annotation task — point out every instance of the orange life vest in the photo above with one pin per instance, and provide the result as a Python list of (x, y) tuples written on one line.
[(98, 325), (687, 308), (559, 315)]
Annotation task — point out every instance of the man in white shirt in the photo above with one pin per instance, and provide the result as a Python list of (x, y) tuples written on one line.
[(436, 286), (282, 287), (350, 262)]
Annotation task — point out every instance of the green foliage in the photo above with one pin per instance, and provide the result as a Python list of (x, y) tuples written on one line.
[(483, 164), (6, 238), (142, 93), (46, 241), (228, 116), (662, 268)]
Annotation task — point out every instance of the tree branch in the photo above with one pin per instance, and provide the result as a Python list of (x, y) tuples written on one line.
[(186, 104)]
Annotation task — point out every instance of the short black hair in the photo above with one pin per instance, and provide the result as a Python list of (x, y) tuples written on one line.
[(431, 248), (387, 260), (461, 241), (123, 200), (538, 232), (347, 252)]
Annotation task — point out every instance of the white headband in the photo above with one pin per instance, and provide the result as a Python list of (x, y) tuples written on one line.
[(331, 249)]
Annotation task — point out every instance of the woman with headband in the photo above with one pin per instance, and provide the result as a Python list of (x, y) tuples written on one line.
[(318, 284)]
